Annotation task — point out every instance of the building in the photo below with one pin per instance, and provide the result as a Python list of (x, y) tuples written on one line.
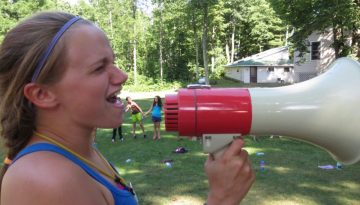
[(318, 58), (270, 66)]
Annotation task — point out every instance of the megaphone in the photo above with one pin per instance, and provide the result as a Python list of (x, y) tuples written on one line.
[(324, 111)]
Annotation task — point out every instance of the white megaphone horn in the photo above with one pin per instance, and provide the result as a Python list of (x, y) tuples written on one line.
[(324, 111)]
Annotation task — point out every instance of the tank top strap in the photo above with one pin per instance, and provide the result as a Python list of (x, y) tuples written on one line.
[(53, 148)]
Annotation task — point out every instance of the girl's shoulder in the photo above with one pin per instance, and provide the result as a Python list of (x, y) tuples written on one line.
[(48, 175)]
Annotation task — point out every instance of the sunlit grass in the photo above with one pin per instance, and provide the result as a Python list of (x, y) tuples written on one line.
[(281, 170), (350, 185)]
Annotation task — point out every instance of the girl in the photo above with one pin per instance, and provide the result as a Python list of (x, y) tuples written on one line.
[(156, 110), (58, 82)]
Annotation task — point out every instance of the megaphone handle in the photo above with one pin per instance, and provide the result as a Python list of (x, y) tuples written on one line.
[(216, 144)]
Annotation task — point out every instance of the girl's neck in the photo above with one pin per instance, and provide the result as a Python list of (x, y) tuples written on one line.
[(80, 142)]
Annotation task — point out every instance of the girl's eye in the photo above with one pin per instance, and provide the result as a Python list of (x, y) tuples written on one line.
[(99, 68)]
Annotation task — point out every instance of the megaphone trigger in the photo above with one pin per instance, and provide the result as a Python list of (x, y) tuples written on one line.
[(216, 144)]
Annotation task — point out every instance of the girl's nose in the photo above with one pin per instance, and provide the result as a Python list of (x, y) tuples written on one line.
[(119, 76)]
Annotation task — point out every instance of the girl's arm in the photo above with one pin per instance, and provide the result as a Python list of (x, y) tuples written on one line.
[(127, 107), (151, 107)]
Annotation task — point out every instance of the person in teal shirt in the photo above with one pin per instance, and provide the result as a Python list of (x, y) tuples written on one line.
[(156, 112)]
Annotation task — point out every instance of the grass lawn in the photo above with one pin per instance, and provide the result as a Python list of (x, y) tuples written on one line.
[(292, 175)]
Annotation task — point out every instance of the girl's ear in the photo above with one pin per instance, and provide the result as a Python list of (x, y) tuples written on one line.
[(40, 96)]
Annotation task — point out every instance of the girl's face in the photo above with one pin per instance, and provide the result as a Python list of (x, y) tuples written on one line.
[(87, 92), (156, 99)]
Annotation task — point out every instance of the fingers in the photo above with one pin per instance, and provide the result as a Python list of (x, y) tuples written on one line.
[(234, 149), (243, 164), (230, 176)]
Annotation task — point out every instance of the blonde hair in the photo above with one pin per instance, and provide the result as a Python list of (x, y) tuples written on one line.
[(20, 52)]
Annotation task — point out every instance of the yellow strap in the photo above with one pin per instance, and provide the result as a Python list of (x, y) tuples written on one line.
[(88, 162), (122, 180), (7, 161)]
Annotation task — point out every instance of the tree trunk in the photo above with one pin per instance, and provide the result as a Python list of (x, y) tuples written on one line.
[(160, 44), (213, 46), (336, 42), (134, 42), (204, 44), (232, 44), (196, 41), (135, 66), (213, 61), (287, 35), (355, 43), (227, 50)]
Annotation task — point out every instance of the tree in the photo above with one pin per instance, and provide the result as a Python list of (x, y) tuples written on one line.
[(167, 45), (306, 17), (14, 11), (204, 6)]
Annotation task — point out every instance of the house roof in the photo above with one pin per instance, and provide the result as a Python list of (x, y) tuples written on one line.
[(262, 59)]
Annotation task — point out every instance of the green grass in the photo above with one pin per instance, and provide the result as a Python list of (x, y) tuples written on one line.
[(292, 175)]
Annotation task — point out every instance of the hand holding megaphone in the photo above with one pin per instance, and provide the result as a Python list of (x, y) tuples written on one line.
[(229, 188)]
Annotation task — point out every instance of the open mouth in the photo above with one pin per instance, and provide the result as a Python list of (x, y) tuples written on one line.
[(113, 99)]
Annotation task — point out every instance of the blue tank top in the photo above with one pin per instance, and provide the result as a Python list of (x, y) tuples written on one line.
[(156, 112), (121, 197)]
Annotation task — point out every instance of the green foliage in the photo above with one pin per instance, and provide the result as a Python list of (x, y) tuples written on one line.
[(12, 12), (176, 29), (175, 26), (256, 26), (146, 84)]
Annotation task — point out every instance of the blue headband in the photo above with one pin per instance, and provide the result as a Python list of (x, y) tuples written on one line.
[(51, 46)]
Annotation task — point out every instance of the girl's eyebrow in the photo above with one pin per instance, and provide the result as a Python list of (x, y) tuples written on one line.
[(98, 61), (103, 59)]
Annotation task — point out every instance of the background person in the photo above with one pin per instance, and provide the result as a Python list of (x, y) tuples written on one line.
[(156, 112), (136, 116), (119, 131)]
